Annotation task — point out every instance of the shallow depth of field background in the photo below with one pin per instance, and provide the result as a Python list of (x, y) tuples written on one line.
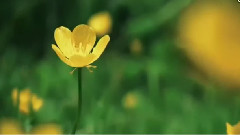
[(157, 88)]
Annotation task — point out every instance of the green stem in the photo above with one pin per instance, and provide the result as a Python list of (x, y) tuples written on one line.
[(79, 100)]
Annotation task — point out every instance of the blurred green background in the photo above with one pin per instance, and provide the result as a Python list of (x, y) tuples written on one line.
[(161, 80)]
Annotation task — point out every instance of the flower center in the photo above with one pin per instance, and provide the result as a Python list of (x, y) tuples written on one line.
[(80, 49), (76, 46)]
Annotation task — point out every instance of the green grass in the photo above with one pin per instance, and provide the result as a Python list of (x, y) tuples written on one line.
[(170, 100)]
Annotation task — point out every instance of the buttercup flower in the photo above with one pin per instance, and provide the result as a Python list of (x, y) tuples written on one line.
[(10, 126), (101, 23), (47, 129), (76, 48), (26, 100), (130, 101), (233, 129), (209, 33), (136, 47)]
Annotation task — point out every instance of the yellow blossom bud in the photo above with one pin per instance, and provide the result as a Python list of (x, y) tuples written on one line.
[(101, 23), (26, 99), (9, 126), (47, 129), (136, 47), (130, 101), (36, 103), (209, 33)]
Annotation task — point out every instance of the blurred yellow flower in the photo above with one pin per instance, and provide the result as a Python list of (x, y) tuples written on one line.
[(47, 129), (75, 48), (130, 100), (136, 47), (209, 33), (26, 100), (101, 23), (233, 129), (9, 126)]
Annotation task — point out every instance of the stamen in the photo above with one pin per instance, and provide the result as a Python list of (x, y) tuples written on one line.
[(76, 46), (89, 68), (73, 71)]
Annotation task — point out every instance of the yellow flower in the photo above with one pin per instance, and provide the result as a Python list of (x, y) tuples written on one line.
[(101, 23), (47, 129), (74, 48), (209, 33), (9, 126), (136, 47), (130, 101), (26, 100), (233, 129)]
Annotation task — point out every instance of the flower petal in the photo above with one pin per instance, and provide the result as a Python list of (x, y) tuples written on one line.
[(229, 128), (233, 129), (61, 56), (62, 36), (36, 102), (85, 36), (100, 47), (81, 61), (15, 96)]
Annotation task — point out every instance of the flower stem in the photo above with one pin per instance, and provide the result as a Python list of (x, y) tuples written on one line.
[(79, 100)]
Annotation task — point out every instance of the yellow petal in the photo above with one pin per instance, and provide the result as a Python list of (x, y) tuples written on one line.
[(15, 96), (25, 101), (83, 37), (62, 36), (36, 102), (47, 129), (60, 55), (9, 126), (100, 47), (229, 128), (81, 61), (233, 129)]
